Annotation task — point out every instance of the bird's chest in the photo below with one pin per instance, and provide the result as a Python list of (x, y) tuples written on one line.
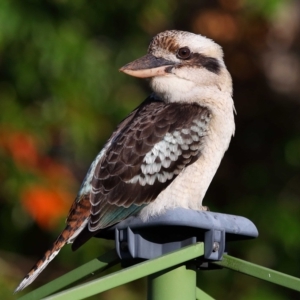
[(191, 184)]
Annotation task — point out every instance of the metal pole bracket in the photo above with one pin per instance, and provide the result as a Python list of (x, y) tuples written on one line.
[(138, 240), (214, 244)]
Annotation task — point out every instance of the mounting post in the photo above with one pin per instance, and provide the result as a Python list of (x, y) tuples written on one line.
[(137, 241), (175, 283)]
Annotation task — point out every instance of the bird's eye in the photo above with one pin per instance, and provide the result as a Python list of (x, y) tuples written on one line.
[(184, 53)]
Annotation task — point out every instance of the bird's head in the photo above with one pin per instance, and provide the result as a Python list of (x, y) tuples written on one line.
[(181, 65)]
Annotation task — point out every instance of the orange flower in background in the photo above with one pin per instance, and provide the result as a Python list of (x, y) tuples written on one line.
[(25, 150), (21, 146), (50, 200), (45, 204)]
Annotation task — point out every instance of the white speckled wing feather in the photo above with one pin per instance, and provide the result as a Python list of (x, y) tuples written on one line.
[(145, 156)]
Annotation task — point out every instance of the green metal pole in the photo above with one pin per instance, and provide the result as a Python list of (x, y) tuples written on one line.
[(257, 271), (129, 274), (201, 295), (175, 283), (98, 264)]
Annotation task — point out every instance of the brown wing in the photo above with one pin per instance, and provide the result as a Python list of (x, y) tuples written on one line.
[(144, 156)]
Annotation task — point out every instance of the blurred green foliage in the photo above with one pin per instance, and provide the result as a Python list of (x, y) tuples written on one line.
[(61, 96)]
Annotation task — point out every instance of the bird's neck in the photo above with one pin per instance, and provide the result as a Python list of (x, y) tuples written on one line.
[(180, 90)]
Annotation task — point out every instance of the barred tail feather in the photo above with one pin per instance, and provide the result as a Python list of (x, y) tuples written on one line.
[(76, 221), (66, 237), (39, 266)]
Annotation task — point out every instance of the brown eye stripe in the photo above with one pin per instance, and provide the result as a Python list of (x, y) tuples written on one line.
[(198, 60)]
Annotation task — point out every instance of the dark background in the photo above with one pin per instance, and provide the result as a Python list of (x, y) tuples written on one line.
[(61, 95)]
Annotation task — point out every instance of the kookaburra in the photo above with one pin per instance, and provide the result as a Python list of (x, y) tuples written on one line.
[(166, 152)]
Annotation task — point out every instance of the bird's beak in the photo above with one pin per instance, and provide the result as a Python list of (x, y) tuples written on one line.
[(147, 66)]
